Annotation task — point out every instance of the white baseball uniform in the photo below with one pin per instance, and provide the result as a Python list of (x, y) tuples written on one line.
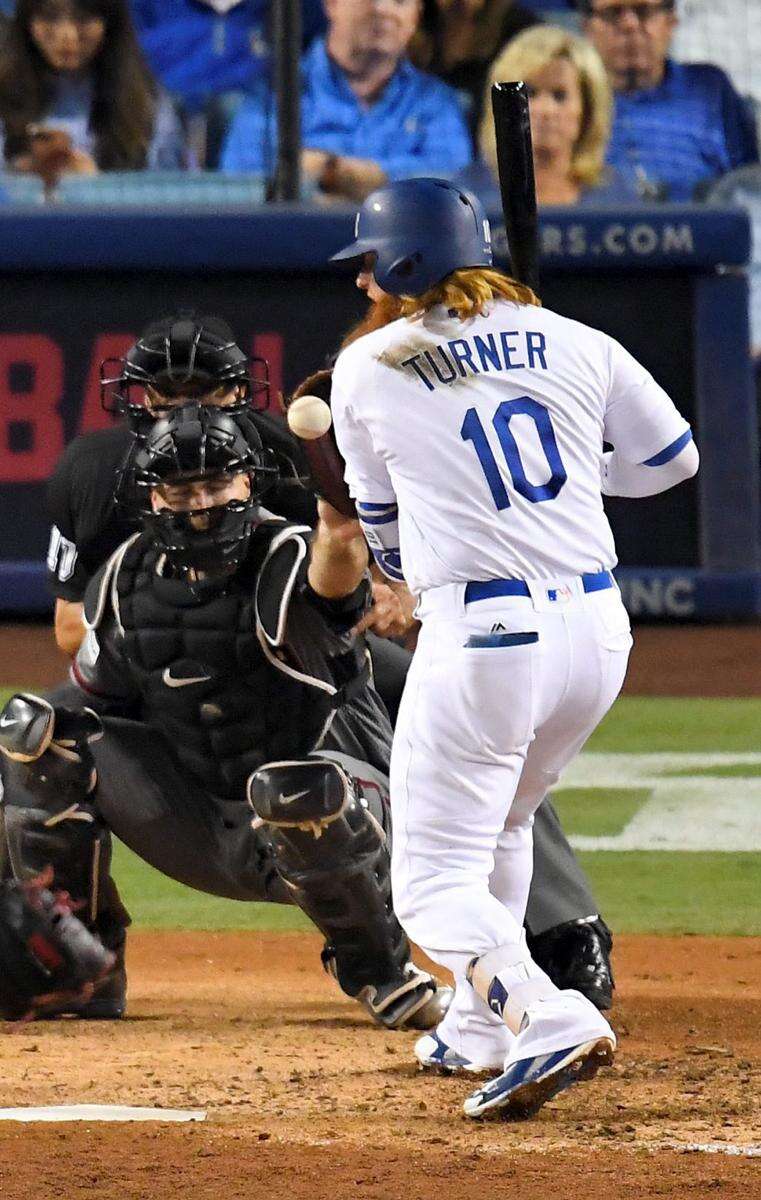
[(475, 453)]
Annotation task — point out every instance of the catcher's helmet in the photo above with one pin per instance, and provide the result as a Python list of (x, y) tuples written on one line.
[(193, 443), (182, 356), (420, 230)]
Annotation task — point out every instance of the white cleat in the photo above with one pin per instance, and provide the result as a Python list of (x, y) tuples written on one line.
[(434, 1055), (521, 1090)]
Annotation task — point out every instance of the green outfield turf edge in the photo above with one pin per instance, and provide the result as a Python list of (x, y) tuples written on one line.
[(637, 891)]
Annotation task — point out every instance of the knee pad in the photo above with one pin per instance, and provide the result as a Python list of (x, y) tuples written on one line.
[(47, 749)]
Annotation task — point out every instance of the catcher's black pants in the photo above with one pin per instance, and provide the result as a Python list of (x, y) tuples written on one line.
[(205, 842), (172, 821)]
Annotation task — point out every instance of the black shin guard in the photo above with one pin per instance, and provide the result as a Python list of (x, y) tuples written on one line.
[(41, 830), (332, 854)]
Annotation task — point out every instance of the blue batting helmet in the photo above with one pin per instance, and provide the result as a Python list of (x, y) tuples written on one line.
[(420, 230)]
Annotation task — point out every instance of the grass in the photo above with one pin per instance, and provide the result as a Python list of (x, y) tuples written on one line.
[(655, 724), (637, 891), (656, 892), (722, 771), (597, 812)]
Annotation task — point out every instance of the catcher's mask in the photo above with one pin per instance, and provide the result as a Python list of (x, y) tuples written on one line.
[(180, 359), (192, 445)]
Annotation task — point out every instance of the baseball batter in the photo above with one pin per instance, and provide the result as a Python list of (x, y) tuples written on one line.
[(473, 430)]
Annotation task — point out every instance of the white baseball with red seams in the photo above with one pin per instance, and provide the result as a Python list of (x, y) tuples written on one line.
[(475, 452), (309, 417)]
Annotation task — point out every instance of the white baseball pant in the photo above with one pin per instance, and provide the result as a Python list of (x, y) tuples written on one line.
[(488, 721)]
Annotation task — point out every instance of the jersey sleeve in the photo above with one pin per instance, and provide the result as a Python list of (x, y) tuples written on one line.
[(366, 475), (641, 420), (67, 575), (102, 672), (367, 479)]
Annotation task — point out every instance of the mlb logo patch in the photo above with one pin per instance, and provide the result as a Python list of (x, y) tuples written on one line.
[(560, 595)]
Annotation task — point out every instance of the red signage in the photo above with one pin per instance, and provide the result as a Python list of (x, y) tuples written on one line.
[(32, 388)]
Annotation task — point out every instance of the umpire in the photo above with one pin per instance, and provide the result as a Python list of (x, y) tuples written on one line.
[(185, 356), (219, 665)]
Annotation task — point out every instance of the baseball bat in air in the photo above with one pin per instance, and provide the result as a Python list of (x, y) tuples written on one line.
[(515, 162)]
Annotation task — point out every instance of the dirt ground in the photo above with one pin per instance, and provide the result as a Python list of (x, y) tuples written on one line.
[(667, 660), (307, 1100)]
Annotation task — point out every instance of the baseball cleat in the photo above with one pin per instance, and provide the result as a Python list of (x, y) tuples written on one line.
[(108, 1002), (435, 1008), (576, 956), (415, 1000), (436, 1056), (521, 1090)]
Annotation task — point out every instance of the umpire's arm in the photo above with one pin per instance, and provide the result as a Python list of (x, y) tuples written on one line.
[(339, 557)]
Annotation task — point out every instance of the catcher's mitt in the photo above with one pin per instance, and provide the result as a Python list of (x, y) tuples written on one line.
[(326, 466), (46, 953)]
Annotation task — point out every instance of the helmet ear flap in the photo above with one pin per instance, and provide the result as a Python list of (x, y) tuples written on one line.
[(404, 267)]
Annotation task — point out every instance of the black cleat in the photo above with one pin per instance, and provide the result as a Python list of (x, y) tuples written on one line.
[(108, 1002), (577, 955)]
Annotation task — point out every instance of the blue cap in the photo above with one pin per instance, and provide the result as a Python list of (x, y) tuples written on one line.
[(420, 231)]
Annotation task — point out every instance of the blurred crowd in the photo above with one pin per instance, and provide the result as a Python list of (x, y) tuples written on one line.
[(628, 102), (172, 100)]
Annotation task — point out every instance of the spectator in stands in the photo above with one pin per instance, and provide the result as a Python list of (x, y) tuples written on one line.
[(368, 115), (676, 127), (725, 31), (200, 49), (570, 109), (76, 96), (459, 39)]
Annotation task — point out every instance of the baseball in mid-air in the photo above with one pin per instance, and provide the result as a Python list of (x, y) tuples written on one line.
[(309, 417)]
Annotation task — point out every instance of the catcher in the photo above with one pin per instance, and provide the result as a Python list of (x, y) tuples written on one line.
[(219, 667), (186, 356)]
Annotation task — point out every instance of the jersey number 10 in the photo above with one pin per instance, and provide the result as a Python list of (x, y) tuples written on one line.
[(473, 431)]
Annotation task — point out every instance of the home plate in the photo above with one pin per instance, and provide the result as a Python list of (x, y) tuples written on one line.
[(101, 1112)]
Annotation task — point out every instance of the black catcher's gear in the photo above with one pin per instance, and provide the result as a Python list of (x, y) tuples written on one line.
[(53, 743), (46, 954), (183, 356), (194, 443), (266, 669), (48, 822), (331, 850)]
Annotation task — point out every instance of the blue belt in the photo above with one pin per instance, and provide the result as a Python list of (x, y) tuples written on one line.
[(596, 582)]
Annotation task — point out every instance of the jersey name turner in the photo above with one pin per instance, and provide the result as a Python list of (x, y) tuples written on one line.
[(507, 413), (458, 357)]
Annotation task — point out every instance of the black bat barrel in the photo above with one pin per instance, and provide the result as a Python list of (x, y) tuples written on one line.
[(515, 162)]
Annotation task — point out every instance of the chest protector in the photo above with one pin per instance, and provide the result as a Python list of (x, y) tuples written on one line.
[(215, 666)]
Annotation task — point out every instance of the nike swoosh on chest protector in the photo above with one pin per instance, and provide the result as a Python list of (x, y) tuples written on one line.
[(172, 682)]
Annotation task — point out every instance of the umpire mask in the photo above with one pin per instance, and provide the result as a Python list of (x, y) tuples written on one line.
[(178, 359)]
